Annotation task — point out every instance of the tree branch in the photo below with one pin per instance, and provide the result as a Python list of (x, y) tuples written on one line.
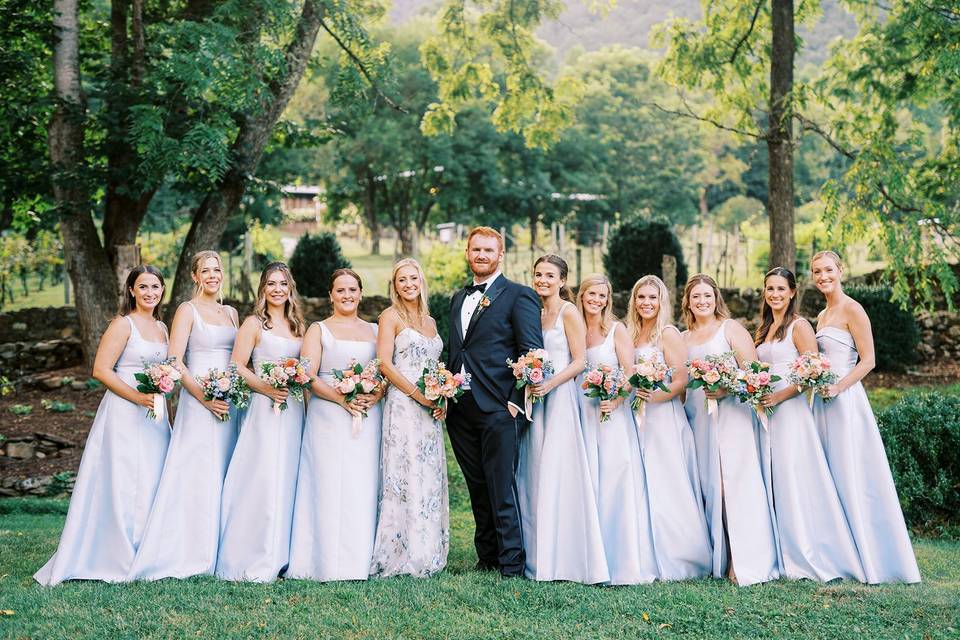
[(689, 113), (809, 125), (743, 39), (362, 67)]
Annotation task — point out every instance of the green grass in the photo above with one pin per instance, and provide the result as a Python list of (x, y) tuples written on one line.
[(883, 397), (459, 603), (51, 296)]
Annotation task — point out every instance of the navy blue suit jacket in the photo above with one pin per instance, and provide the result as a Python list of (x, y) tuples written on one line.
[(506, 328)]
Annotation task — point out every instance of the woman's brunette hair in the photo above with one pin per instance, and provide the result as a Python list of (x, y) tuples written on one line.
[(561, 265), (128, 304), (766, 313), (721, 312)]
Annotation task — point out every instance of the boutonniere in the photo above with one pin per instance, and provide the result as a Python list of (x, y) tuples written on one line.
[(484, 302)]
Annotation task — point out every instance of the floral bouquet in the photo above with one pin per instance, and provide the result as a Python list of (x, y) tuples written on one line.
[(286, 373), (356, 379), (226, 385), (531, 368), (439, 384), (753, 382), (713, 373), (605, 383), (158, 378), (811, 371), (649, 373)]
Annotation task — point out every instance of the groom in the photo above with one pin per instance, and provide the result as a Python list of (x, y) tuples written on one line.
[(491, 320)]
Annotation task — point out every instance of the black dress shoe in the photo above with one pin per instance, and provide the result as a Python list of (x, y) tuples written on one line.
[(486, 566), (511, 572)]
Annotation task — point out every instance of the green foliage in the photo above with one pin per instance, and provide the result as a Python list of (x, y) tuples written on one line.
[(891, 104), (21, 409), (895, 331), (58, 406), (921, 434), (446, 268), (637, 248), (439, 304), (93, 384), (162, 250), (266, 243), (62, 483), (314, 260)]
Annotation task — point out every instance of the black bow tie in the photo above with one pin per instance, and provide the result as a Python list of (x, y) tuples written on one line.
[(473, 288)]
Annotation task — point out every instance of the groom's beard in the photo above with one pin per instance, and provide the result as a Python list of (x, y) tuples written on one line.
[(482, 270)]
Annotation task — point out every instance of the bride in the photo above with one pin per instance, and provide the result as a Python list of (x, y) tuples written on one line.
[(413, 530)]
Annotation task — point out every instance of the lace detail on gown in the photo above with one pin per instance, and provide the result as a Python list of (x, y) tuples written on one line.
[(413, 531)]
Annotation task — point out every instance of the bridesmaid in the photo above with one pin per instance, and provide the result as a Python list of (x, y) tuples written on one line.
[(183, 530), (123, 456), (258, 492), (335, 514), (680, 539), (620, 482), (738, 504), (815, 540), (850, 436), (558, 502), (413, 527)]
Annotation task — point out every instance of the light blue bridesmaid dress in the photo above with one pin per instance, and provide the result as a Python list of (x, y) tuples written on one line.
[(558, 504), (737, 503), (815, 540), (621, 487), (335, 515), (183, 530), (119, 472), (861, 473), (680, 539), (258, 493)]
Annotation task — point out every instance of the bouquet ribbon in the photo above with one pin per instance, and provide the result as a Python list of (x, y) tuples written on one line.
[(158, 406), (276, 408), (763, 418), (528, 403), (712, 406), (641, 413), (355, 425)]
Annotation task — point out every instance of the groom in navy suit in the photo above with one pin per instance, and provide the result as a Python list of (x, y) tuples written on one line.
[(491, 320)]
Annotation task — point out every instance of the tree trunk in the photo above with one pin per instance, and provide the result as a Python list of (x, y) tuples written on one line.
[(533, 218), (213, 212), (783, 249), (86, 261), (370, 214)]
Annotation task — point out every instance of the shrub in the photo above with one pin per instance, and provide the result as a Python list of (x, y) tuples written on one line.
[(314, 260), (58, 406), (440, 310), (921, 434), (637, 248), (446, 268), (895, 330), (21, 409)]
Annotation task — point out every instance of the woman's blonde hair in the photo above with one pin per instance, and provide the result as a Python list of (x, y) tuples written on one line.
[(292, 310), (664, 314), (423, 309), (827, 254), (606, 316), (721, 311), (198, 259)]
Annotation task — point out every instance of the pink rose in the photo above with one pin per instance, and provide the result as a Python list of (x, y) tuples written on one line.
[(595, 377), (763, 378), (223, 384), (536, 376), (165, 383), (368, 386), (711, 377)]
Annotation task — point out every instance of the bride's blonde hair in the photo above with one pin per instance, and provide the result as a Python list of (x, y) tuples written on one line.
[(423, 308)]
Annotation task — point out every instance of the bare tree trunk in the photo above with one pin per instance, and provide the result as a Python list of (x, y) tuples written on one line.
[(213, 212), (783, 249), (533, 218), (86, 261), (370, 214)]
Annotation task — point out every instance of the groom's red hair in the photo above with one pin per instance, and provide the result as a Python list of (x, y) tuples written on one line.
[(485, 231)]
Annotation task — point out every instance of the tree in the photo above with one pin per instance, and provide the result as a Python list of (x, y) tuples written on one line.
[(194, 104), (742, 54), (889, 103)]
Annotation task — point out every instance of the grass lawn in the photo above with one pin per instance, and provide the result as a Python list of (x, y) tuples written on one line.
[(459, 603)]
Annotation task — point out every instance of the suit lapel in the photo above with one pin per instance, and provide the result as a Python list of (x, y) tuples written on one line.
[(456, 310), (494, 290)]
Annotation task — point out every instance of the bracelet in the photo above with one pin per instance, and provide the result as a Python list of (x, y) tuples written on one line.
[(412, 391)]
